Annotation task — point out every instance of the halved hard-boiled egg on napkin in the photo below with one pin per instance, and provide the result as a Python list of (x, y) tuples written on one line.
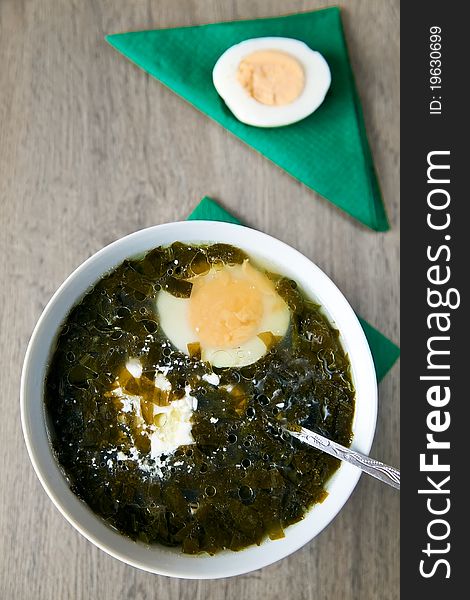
[(271, 81), (233, 316)]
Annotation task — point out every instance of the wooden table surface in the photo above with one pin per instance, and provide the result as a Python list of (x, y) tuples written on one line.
[(91, 149)]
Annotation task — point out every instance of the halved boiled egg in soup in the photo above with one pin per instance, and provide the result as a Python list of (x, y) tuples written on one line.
[(271, 81), (232, 317)]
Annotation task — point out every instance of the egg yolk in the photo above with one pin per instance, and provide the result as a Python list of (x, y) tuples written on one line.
[(271, 77), (226, 307)]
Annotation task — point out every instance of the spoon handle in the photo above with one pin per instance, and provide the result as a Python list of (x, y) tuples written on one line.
[(373, 467)]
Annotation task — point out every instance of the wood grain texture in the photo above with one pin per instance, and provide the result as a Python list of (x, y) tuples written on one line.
[(91, 149)]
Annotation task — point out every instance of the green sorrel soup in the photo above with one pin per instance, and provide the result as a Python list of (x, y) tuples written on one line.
[(167, 389)]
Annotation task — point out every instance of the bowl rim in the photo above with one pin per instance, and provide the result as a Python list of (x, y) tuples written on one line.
[(346, 472)]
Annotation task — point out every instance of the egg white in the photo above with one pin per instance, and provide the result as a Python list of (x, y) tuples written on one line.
[(248, 110)]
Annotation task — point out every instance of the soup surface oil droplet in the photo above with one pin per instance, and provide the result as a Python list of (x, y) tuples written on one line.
[(210, 491), (245, 492)]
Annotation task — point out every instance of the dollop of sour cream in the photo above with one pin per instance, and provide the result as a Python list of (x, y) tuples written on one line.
[(172, 426)]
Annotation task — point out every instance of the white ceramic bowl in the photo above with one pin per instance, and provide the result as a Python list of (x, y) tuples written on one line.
[(160, 559)]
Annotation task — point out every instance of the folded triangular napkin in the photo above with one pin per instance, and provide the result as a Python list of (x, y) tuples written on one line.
[(384, 352), (328, 151)]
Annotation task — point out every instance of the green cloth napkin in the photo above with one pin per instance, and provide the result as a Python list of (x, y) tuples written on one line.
[(328, 151), (384, 352)]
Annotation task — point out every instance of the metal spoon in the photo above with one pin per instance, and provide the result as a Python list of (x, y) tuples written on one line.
[(373, 467)]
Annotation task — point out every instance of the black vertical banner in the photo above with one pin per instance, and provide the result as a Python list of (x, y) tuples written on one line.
[(435, 255)]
